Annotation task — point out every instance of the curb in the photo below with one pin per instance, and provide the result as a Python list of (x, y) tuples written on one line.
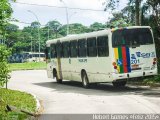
[(38, 105), (29, 69)]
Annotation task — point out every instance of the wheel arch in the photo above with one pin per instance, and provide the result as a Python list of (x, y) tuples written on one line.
[(54, 72), (82, 72)]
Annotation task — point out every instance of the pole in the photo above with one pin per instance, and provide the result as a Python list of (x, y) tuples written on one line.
[(39, 49), (67, 20), (66, 8), (48, 31), (31, 44)]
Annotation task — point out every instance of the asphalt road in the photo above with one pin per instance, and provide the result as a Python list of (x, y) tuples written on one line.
[(70, 97)]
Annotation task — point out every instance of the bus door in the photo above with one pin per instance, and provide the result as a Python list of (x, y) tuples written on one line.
[(59, 55), (48, 61)]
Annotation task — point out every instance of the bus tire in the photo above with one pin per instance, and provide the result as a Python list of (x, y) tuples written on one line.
[(56, 76), (119, 83), (85, 81)]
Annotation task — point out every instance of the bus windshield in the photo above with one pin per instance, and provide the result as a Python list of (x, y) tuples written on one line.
[(132, 37)]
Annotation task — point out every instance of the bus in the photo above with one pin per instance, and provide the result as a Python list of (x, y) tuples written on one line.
[(111, 55), (35, 57)]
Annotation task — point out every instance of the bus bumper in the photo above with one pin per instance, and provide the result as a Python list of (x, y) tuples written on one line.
[(134, 74)]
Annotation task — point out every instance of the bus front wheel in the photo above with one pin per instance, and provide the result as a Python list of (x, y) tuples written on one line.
[(85, 80), (119, 83)]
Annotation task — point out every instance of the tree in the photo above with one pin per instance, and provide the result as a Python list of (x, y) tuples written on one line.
[(5, 14), (118, 20), (4, 69), (97, 26), (129, 14), (53, 27), (11, 34), (75, 28), (136, 3), (154, 6), (35, 25)]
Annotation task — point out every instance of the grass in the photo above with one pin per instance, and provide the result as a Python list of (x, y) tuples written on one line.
[(20, 100), (152, 81), (27, 66)]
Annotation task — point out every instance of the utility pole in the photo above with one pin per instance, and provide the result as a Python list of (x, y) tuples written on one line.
[(66, 15), (39, 49)]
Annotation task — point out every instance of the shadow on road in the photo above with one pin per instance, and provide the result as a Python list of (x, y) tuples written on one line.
[(100, 89)]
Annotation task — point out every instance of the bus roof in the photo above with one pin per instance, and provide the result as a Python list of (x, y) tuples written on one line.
[(91, 34)]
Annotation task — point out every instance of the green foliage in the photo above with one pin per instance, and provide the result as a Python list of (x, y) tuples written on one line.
[(28, 66), (54, 25), (119, 20), (4, 69), (97, 26), (18, 99), (152, 81), (5, 14), (77, 28), (35, 24)]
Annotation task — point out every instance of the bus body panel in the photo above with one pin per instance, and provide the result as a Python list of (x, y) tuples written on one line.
[(136, 61), (51, 64), (96, 72)]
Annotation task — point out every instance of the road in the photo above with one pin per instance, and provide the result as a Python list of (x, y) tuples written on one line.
[(70, 97)]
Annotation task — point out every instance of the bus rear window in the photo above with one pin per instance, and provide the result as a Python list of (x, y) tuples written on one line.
[(132, 37)]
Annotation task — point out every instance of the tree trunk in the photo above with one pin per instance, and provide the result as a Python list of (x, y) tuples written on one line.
[(137, 6)]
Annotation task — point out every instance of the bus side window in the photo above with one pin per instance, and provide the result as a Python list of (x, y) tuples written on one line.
[(82, 48), (59, 49), (73, 48), (102, 46), (66, 49), (53, 51), (91, 47)]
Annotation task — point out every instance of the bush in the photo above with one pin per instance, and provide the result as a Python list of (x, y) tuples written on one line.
[(4, 68)]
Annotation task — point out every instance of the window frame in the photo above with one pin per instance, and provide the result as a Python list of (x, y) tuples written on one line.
[(68, 49), (59, 49), (80, 49), (71, 52), (92, 48), (106, 53)]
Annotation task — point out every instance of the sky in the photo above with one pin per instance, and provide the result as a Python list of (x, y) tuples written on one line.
[(47, 13)]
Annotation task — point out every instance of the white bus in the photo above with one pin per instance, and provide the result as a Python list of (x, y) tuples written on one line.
[(35, 57), (111, 55)]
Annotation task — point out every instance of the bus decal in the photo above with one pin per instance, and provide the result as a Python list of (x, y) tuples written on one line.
[(82, 60), (145, 55), (122, 57), (116, 58)]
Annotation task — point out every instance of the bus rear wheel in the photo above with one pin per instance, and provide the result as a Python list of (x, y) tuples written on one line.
[(85, 81), (119, 83), (56, 76)]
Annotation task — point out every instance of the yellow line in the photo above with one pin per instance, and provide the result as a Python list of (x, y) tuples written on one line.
[(116, 57)]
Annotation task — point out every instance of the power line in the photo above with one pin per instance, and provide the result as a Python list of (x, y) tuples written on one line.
[(20, 22), (23, 22), (32, 4)]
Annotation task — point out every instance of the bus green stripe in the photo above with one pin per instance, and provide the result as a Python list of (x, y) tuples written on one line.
[(120, 58)]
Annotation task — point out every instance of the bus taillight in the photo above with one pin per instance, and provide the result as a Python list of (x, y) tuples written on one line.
[(154, 61), (115, 65)]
